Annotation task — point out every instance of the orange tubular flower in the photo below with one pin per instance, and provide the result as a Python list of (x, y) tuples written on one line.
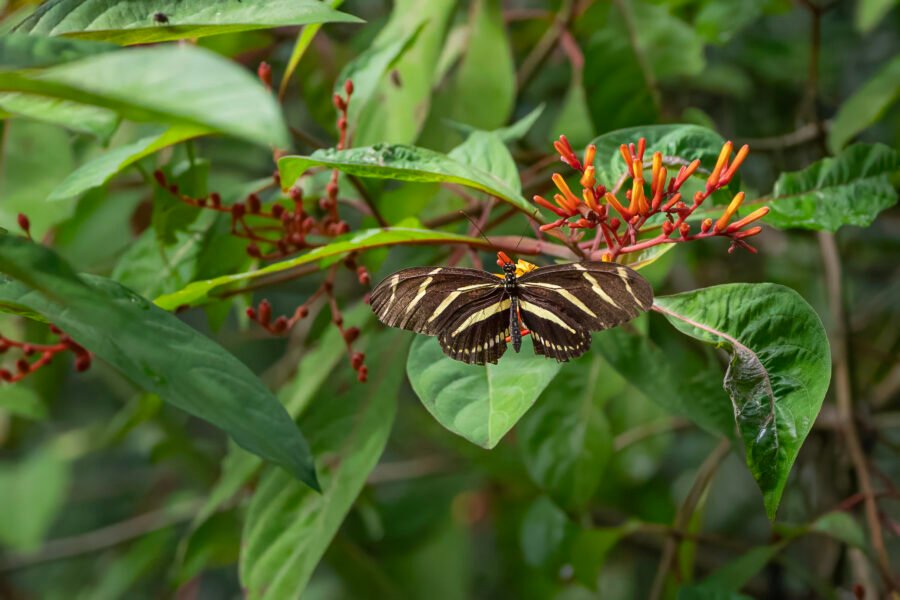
[(757, 214), (588, 196), (735, 164), (614, 202), (571, 200), (548, 205), (736, 202), (629, 159), (720, 165), (589, 179), (686, 172), (589, 153)]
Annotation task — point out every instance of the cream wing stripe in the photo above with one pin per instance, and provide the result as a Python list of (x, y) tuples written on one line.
[(481, 315), (423, 287), (565, 294), (623, 274), (545, 314), (599, 290), (443, 305)]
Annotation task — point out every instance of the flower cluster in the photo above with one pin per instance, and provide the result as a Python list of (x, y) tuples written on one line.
[(27, 364), (621, 225)]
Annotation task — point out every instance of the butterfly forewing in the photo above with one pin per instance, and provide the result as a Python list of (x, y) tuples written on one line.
[(562, 304), (461, 306)]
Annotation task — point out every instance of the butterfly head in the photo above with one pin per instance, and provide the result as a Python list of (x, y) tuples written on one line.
[(509, 267)]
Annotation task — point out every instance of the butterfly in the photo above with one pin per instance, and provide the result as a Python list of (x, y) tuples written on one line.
[(475, 315)]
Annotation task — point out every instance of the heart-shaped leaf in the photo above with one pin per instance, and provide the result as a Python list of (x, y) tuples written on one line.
[(480, 403), (778, 373)]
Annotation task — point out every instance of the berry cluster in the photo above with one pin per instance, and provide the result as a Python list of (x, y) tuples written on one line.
[(26, 364)]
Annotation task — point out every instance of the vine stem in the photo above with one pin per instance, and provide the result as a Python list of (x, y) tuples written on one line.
[(843, 394), (704, 477)]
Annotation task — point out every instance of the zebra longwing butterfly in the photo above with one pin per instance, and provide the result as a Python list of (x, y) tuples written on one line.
[(474, 314)]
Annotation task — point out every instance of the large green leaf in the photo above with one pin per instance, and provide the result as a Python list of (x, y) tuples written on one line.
[(688, 142), (200, 292), (565, 439), (679, 384), (142, 22), (778, 372), (178, 85), (405, 163), (869, 13), (288, 526), (155, 350), (866, 106), (99, 122), (480, 403), (849, 189), (103, 168), (486, 151), (20, 51)]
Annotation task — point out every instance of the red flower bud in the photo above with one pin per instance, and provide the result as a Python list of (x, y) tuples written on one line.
[(238, 210), (265, 313), (264, 72), (356, 360), (351, 334), (24, 223), (253, 203), (348, 87)]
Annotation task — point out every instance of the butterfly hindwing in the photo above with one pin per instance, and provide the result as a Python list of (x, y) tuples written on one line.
[(477, 334)]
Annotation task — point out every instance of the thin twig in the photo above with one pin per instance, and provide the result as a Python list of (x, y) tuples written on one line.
[(545, 45), (839, 346), (648, 430), (105, 537)]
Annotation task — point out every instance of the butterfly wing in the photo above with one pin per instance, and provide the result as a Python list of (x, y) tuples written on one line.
[(562, 304), (425, 299)]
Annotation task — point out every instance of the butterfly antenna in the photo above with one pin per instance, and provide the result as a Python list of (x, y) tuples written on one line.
[(502, 258)]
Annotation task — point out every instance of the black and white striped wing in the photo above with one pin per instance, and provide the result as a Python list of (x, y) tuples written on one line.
[(562, 304), (464, 307)]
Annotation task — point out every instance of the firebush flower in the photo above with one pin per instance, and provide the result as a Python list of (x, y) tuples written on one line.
[(622, 221)]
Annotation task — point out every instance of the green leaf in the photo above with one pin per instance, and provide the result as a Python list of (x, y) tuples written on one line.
[(368, 69), (178, 85), (155, 350), (735, 574), (683, 388), (510, 133), (840, 526), (404, 98), (304, 39), (479, 93), (34, 492), (19, 51), (486, 151), (590, 549), (404, 163), (869, 13), (670, 47), (778, 373), (479, 403), (546, 532), (719, 21), (289, 527), (22, 402), (135, 22), (688, 142), (849, 189), (565, 440), (98, 122), (200, 292), (106, 166), (866, 106)]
